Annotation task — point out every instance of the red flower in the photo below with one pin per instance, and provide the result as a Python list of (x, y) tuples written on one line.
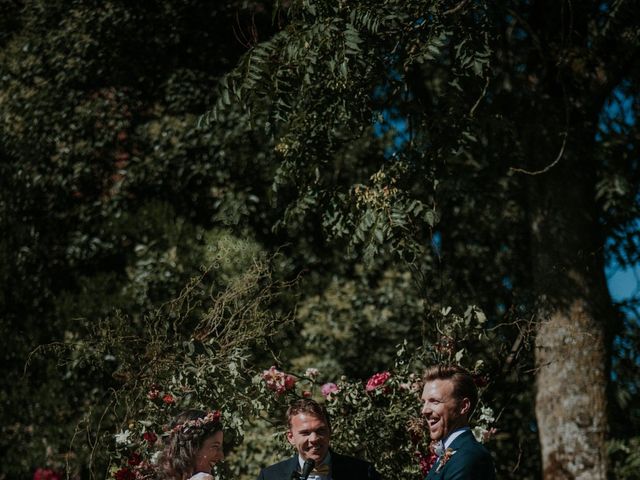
[(46, 474), (168, 399), (124, 474), (134, 459), (150, 437), (427, 461), (377, 380), (306, 394), (289, 382)]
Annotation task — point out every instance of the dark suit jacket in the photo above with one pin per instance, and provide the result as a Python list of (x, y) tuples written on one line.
[(470, 462), (342, 468)]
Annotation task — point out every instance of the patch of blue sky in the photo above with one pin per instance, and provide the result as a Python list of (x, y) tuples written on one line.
[(617, 116), (436, 243), (390, 121), (618, 112), (624, 282)]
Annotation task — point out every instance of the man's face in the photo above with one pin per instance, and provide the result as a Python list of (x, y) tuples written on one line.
[(310, 436), (444, 413), (209, 453)]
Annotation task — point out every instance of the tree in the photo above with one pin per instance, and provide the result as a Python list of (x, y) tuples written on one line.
[(402, 157), (108, 194), (503, 157)]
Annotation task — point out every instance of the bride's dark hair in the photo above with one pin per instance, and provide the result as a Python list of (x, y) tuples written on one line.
[(187, 433)]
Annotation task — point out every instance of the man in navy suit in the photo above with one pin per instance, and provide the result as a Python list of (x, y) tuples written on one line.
[(449, 397), (310, 434)]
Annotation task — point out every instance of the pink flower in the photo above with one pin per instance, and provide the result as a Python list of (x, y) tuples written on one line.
[(46, 474), (377, 380), (278, 381), (306, 394), (329, 388)]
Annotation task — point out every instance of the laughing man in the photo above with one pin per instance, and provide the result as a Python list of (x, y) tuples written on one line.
[(310, 433), (449, 397)]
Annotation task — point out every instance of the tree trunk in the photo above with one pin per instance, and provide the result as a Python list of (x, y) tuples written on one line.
[(570, 398), (571, 345)]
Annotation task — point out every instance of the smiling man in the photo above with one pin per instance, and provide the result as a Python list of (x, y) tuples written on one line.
[(449, 397), (309, 433)]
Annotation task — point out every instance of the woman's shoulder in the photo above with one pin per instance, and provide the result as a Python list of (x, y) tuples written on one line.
[(201, 476)]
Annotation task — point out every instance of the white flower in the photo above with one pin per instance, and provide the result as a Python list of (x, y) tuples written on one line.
[(312, 373), (479, 433), (486, 415), (155, 457), (122, 438)]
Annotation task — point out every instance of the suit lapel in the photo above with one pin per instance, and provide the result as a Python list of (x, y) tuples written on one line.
[(338, 467), (457, 443), (432, 474), (292, 465)]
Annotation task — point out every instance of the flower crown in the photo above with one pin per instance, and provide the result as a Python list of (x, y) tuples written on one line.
[(203, 423)]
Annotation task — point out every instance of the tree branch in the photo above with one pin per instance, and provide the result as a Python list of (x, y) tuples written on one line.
[(548, 167)]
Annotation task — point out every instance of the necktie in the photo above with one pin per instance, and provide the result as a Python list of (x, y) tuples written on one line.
[(439, 448), (323, 469)]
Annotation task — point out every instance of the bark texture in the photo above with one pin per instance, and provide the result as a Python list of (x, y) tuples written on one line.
[(571, 342), (570, 399)]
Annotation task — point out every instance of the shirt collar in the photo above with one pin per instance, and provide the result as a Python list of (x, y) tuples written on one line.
[(327, 460), (453, 435)]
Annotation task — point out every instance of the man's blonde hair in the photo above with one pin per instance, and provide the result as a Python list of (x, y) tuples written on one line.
[(464, 385)]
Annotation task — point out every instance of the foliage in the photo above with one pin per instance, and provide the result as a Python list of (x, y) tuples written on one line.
[(626, 460), (385, 408), (356, 315), (193, 352), (107, 195), (495, 106), (391, 152)]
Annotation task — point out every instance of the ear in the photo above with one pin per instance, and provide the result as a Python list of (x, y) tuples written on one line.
[(290, 437), (465, 407)]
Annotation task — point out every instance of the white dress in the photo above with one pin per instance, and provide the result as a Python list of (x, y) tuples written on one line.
[(202, 476)]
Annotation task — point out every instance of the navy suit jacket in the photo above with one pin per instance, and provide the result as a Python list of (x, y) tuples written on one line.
[(471, 461), (342, 468)]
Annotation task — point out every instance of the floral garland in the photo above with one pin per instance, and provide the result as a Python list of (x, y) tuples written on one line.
[(198, 423)]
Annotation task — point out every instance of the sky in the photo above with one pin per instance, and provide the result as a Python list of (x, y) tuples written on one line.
[(624, 283)]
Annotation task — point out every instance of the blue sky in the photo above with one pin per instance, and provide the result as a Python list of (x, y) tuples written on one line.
[(618, 116), (624, 283)]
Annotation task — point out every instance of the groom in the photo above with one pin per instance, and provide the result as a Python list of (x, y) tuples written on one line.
[(310, 434), (449, 397)]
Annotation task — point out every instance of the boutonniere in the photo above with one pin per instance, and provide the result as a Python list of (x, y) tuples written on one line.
[(444, 458)]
